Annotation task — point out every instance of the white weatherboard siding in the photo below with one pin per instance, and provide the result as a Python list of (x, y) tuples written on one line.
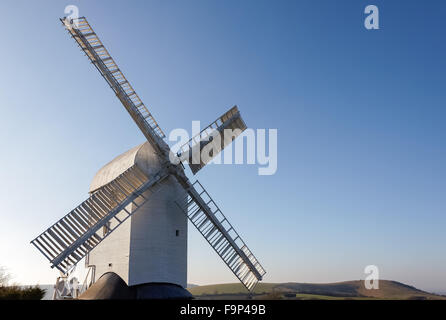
[(157, 254), (146, 247), (113, 250)]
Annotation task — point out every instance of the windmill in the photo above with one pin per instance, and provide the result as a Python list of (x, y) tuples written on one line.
[(134, 223)]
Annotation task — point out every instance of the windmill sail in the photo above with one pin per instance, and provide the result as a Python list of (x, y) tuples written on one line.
[(192, 151), (207, 217), (90, 43), (66, 242)]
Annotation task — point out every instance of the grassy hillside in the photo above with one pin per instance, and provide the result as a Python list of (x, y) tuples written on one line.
[(340, 290)]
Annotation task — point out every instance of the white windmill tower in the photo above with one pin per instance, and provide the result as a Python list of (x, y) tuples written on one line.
[(134, 224)]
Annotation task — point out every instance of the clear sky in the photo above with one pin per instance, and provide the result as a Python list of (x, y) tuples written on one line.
[(360, 116)]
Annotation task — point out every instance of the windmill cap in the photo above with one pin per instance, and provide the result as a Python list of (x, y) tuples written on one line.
[(143, 155)]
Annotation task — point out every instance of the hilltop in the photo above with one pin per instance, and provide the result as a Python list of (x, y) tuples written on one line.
[(340, 290)]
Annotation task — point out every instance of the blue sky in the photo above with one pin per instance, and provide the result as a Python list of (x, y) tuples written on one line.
[(360, 118)]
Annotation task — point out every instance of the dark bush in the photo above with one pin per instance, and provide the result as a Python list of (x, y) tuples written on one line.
[(21, 293)]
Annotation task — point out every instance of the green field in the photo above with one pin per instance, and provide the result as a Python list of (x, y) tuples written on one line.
[(352, 290)]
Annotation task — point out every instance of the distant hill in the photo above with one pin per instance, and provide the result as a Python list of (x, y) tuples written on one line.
[(339, 290)]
